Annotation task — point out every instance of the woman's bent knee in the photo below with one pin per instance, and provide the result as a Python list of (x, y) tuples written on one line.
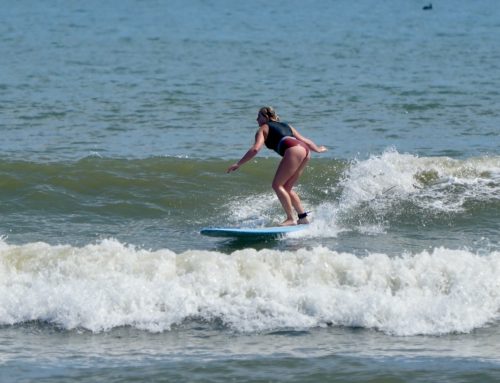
[(277, 186)]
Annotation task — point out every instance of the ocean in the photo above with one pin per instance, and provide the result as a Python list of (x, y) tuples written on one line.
[(118, 120)]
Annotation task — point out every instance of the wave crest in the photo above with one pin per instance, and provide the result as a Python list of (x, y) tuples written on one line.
[(102, 286)]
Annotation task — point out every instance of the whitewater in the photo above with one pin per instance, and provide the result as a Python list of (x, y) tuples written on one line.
[(107, 285)]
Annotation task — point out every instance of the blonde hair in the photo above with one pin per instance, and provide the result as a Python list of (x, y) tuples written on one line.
[(269, 113)]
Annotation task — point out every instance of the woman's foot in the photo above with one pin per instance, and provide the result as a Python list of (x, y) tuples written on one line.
[(303, 221), (288, 222)]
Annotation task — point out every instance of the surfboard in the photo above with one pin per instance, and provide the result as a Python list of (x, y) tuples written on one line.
[(240, 232)]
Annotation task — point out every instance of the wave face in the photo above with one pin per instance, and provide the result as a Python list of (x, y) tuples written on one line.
[(162, 202), (106, 285), (155, 185)]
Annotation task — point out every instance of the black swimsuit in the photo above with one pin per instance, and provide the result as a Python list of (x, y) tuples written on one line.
[(280, 138), (277, 131)]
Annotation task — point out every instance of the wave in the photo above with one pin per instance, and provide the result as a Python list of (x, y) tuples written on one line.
[(374, 195), (431, 182), (404, 189), (106, 285)]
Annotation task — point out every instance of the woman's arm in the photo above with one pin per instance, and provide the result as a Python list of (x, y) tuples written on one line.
[(308, 142), (251, 153)]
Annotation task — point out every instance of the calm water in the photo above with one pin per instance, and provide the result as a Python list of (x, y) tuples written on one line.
[(118, 121)]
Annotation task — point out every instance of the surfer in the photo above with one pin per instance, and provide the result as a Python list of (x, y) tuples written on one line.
[(295, 150)]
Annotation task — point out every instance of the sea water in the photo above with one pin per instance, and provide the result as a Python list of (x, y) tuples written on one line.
[(118, 120)]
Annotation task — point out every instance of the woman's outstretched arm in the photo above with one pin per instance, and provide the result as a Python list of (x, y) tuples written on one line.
[(251, 153)]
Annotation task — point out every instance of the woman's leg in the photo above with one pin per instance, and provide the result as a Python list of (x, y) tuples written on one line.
[(289, 169), (296, 203)]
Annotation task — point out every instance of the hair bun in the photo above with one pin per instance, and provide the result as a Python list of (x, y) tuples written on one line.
[(269, 112)]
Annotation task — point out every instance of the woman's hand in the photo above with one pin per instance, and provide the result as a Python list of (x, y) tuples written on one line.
[(232, 168), (322, 149)]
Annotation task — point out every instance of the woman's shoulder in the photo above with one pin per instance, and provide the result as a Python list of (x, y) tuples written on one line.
[(264, 129)]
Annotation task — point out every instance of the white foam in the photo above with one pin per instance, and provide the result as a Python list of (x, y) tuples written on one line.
[(101, 286), (394, 175), (377, 186), (254, 210)]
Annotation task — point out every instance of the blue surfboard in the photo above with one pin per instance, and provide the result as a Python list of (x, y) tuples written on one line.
[(239, 232)]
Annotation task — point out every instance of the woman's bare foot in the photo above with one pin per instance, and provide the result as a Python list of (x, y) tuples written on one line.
[(288, 222)]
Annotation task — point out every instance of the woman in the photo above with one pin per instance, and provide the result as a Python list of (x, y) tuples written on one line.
[(295, 150)]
